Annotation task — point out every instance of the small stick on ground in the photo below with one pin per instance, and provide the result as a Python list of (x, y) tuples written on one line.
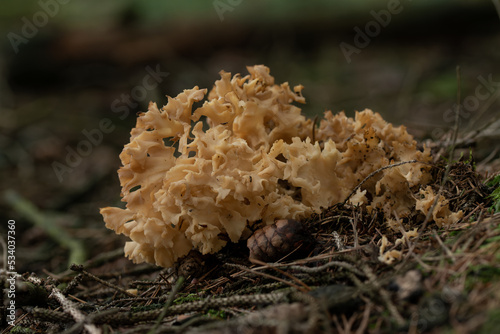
[(257, 273), (80, 269), (70, 308), (378, 171), (295, 279)]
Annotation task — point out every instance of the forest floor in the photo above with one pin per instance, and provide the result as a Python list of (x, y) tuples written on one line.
[(444, 280), (65, 82)]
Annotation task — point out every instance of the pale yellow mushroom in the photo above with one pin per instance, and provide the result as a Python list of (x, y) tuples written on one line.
[(189, 186)]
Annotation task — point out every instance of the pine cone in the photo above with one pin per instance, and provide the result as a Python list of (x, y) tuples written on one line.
[(191, 265), (274, 241)]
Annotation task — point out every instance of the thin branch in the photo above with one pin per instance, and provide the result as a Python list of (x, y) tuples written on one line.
[(378, 171), (81, 270), (343, 265), (446, 249), (295, 279), (257, 273), (71, 308)]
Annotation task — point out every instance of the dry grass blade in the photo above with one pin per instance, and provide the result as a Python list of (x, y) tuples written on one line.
[(173, 293), (28, 210)]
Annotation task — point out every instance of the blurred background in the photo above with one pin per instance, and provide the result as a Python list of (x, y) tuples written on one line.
[(77, 72)]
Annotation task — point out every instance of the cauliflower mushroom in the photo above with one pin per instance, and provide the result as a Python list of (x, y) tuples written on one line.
[(189, 186)]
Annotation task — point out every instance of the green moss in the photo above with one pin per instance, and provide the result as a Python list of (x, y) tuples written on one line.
[(492, 323), (217, 314), (494, 239), (21, 330), (483, 273), (495, 195), (192, 297)]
